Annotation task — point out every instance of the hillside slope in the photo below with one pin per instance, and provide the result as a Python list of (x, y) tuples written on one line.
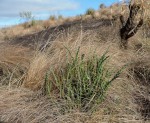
[(54, 32), (25, 61)]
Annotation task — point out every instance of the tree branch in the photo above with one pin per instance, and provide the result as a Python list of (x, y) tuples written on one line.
[(129, 28)]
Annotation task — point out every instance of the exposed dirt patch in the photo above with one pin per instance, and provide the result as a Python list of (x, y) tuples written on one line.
[(52, 33)]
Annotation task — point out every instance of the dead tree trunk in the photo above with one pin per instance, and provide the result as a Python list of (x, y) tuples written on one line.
[(129, 28)]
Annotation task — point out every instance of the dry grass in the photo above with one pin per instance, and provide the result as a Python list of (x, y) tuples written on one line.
[(26, 68), (13, 64), (118, 106), (111, 12)]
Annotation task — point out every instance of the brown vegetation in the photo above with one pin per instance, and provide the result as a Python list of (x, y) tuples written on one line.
[(25, 60)]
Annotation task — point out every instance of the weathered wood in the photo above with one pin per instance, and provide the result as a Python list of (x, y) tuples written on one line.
[(129, 28), (122, 20)]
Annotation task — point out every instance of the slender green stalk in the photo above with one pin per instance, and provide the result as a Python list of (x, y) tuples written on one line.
[(82, 83)]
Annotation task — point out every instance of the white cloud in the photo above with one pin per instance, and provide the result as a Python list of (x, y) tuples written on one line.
[(12, 8)]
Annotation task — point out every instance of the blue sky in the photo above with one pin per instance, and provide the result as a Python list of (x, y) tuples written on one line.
[(42, 9)]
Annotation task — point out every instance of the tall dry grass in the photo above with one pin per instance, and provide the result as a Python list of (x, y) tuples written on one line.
[(27, 68), (119, 104)]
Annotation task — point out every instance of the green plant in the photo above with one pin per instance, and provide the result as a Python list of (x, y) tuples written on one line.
[(101, 6), (60, 17), (90, 11), (81, 83), (52, 17)]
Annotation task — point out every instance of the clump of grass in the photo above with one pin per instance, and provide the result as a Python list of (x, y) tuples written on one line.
[(101, 6), (81, 83), (33, 22), (60, 17), (90, 11), (52, 17)]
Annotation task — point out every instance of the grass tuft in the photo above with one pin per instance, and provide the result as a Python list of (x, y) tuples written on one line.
[(90, 11), (81, 83)]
